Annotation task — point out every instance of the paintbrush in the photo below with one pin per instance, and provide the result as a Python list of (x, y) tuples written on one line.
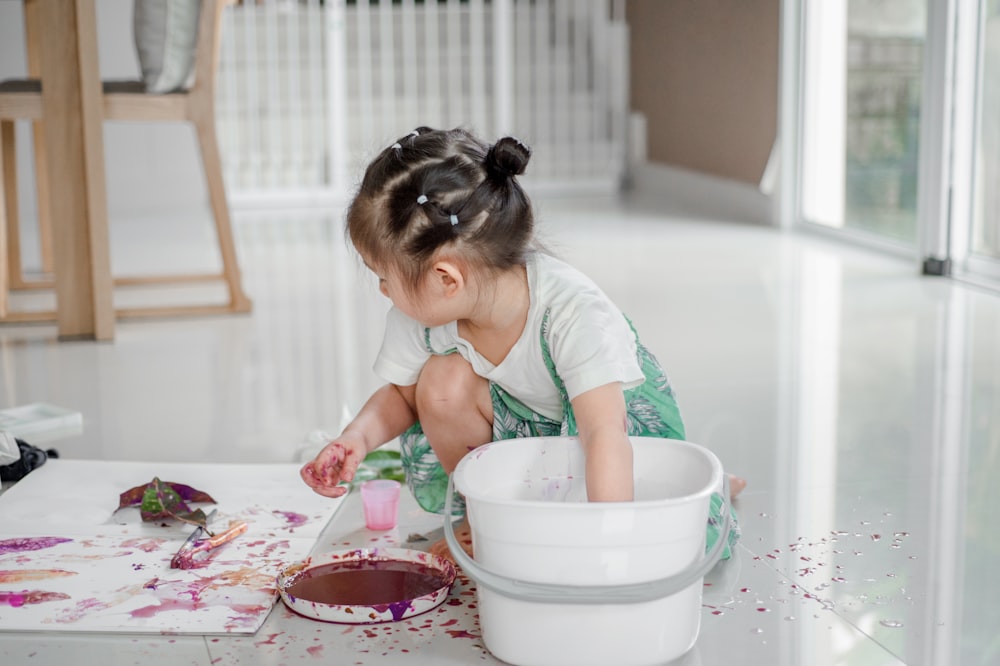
[(194, 537), (191, 539), (194, 551)]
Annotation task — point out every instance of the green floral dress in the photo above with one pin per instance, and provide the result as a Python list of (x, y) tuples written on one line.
[(652, 411)]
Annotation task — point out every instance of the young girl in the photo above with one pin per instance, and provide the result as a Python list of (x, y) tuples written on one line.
[(488, 337)]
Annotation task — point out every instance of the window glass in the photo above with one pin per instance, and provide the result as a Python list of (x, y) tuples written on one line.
[(985, 238), (861, 115)]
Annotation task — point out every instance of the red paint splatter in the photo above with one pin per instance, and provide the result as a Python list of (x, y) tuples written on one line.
[(460, 633), (269, 641)]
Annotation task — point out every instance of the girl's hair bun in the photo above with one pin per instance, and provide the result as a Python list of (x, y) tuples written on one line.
[(507, 158)]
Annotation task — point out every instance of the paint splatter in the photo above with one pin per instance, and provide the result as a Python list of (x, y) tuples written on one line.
[(269, 641), (461, 633), (292, 519), (188, 605), (26, 597), (22, 575), (145, 544), (20, 545)]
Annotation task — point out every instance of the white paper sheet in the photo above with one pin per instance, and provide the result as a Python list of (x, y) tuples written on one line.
[(70, 562)]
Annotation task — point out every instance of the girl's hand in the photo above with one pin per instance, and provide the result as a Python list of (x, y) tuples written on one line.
[(336, 463)]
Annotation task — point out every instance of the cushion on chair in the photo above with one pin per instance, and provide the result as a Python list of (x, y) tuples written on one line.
[(166, 33), (21, 86)]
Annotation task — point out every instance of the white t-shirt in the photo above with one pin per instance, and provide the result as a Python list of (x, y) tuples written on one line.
[(590, 342)]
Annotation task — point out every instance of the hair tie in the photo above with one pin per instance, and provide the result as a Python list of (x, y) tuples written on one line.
[(396, 146), (453, 219), (422, 199)]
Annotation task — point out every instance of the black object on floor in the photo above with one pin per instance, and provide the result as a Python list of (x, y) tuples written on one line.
[(31, 458)]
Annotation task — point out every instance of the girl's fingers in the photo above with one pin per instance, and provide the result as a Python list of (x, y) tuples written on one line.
[(327, 491), (322, 484), (307, 474), (331, 462), (334, 464)]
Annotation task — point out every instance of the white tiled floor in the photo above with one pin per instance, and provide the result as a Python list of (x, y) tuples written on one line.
[(859, 399)]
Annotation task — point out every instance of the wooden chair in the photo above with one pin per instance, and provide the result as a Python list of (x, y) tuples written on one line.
[(127, 101)]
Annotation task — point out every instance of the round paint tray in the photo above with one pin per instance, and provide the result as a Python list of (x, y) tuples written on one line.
[(366, 585)]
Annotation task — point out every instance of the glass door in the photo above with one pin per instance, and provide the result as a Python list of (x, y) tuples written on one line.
[(891, 127), (984, 228), (861, 85)]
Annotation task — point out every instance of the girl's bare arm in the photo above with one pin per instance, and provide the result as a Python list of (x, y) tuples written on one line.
[(386, 415), (601, 420)]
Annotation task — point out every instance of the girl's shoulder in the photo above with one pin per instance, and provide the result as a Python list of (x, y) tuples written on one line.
[(550, 270), (568, 304), (555, 280)]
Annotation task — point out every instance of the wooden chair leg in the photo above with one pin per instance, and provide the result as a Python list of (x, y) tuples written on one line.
[(15, 265), (10, 251), (212, 162), (42, 189), (4, 221), (12, 232), (33, 28)]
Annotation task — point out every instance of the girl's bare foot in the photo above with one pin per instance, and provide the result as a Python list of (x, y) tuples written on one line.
[(464, 535), (736, 485)]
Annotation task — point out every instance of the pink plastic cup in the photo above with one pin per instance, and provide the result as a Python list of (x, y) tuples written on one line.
[(380, 498)]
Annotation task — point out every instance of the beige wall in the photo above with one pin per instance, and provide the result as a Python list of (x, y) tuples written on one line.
[(705, 75)]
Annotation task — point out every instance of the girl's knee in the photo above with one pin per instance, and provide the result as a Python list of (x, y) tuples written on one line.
[(447, 384)]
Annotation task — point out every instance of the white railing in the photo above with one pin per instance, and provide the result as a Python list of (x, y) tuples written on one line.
[(309, 92)]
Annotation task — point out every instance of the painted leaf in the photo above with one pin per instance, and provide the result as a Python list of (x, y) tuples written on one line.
[(133, 496), (159, 500)]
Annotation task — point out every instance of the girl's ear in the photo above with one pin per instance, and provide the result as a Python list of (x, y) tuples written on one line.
[(449, 277)]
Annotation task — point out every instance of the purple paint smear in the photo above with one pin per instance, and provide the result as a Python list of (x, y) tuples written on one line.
[(293, 519), (21, 545), (397, 608)]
